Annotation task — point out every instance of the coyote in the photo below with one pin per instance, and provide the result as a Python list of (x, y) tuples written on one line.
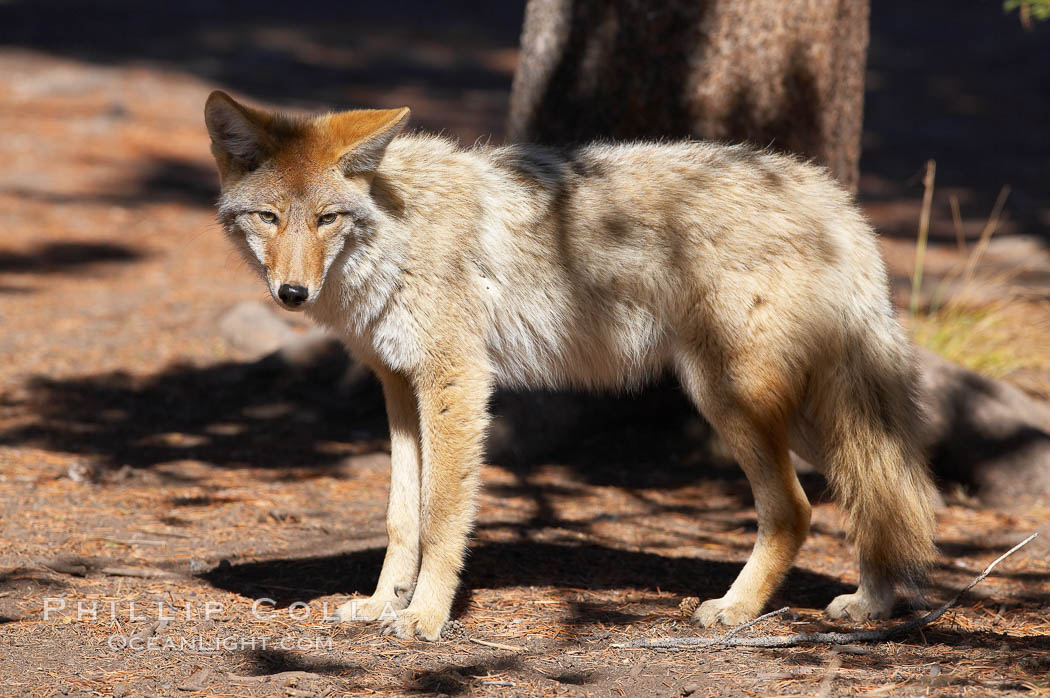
[(450, 271)]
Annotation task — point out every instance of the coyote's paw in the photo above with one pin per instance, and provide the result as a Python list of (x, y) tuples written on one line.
[(415, 623), (376, 607), (725, 611), (860, 606)]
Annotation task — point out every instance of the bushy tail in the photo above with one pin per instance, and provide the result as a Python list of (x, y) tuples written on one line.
[(868, 424)]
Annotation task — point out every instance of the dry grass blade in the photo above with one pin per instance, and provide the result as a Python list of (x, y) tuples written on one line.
[(924, 230), (986, 235), (986, 324), (960, 235)]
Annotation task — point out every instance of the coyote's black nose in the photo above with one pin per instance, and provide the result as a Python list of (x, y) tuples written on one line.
[(292, 295)]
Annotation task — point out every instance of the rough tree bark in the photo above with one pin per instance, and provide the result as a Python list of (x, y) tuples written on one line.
[(784, 74)]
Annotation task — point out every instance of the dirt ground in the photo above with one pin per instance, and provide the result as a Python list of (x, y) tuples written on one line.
[(159, 480)]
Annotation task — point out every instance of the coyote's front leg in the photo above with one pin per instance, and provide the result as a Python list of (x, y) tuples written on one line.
[(453, 397), (401, 565)]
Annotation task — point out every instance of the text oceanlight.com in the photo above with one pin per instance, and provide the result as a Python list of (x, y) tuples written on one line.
[(200, 643)]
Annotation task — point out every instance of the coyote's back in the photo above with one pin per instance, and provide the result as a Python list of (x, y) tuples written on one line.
[(749, 274)]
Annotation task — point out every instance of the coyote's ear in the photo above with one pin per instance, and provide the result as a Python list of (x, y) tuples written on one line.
[(368, 133), (237, 132)]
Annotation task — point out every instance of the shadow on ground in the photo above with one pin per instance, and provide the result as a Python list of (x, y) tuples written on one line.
[(271, 414), (157, 180), (266, 662), (66, 257), (514, 564), (455, 679), (274, 415), (231, 414)]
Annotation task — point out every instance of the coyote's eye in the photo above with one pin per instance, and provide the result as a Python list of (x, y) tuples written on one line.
[(267, 217), (327, 219)]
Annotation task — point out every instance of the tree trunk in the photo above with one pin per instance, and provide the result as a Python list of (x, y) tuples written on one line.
[(784, 74)]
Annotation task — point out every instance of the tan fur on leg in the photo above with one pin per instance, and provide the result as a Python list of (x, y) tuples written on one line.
[(401, 565), (759, 444), (873, 599), (783, 523), (453, 416)]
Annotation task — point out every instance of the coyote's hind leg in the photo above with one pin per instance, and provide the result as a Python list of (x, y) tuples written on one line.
[(758, 441)]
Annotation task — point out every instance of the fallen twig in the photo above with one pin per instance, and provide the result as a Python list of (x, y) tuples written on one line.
[(287, 677), (837, 638), (132, 542), (745, 626), (75, 565), (81, 566), (142, 572), (497, 645), (247, 679), (294, 676), (150, 630)]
